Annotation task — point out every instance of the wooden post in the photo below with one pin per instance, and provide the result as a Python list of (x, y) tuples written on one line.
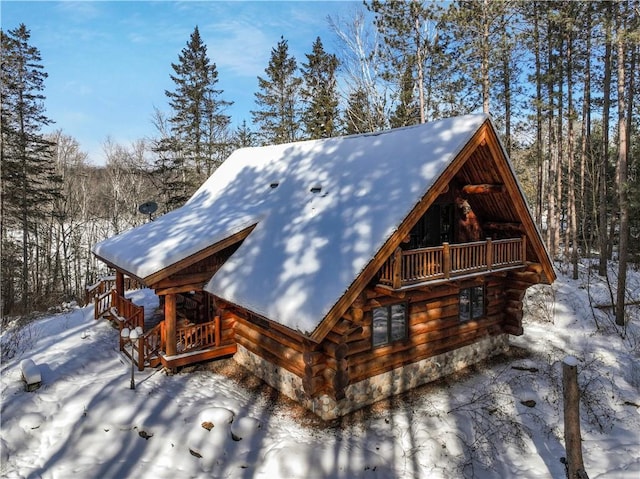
[(524, 249), (120, 283), (120, 328), (489, 254), (170, 322), (140, 347), (572, 439), (217, 332), (446, 260), (397, 268)]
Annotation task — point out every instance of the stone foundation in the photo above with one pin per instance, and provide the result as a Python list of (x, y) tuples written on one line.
[(375, 388)]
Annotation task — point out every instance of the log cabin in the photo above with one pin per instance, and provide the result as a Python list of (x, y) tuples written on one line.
[(345, 270)]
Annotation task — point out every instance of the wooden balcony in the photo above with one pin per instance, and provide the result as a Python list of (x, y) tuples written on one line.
[(410, 268), (195, 343)]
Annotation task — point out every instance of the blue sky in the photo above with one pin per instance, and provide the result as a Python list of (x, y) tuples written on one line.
[(109, 62)]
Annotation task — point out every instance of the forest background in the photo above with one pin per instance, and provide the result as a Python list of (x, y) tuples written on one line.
[(558, 77)]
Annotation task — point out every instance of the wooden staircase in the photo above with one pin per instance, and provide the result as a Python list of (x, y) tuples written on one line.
[(194, 342)]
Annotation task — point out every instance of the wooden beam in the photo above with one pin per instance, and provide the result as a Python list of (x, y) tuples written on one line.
[(495, 226), (170, 324), (383, 291), (120, 283), (182, 279), (180, 289), (482, 189)]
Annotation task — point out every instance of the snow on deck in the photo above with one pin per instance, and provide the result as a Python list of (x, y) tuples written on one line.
[(323, 209)]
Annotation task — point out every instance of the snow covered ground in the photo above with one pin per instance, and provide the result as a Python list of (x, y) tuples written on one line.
[(500, 419)]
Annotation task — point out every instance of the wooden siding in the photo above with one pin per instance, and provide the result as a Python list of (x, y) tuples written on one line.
[(347, 356), (434, 328)]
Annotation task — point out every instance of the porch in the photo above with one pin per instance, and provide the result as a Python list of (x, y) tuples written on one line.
[(194, 342), (412, 268)]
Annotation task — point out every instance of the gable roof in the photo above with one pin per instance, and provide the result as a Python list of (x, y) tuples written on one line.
[(322, 211)]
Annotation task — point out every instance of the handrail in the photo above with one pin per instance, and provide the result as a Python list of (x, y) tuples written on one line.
[(451, 260), (126, 308), (107, 283), (152, 342), (102, 303), (198, 336)]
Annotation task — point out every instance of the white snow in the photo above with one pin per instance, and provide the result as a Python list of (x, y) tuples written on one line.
[(308, 246), (571, 361), (84, 421), (30, 372)]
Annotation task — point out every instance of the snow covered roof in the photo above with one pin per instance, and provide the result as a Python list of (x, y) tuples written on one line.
[(322, 210)]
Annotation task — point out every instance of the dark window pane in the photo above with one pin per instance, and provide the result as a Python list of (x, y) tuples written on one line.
[(465, 304), (380, 328), (478, 302), (398, 321)]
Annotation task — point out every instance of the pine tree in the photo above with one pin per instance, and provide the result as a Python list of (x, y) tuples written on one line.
[(358, 113), (319, 94), (407, 111), (278, 113), (29, 182), (411, 35), (243, 136), (198, 123), (172, 179)]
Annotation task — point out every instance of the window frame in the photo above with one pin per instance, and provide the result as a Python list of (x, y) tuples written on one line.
[(389, 333), (475, 292)]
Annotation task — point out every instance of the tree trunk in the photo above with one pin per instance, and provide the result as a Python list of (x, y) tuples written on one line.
[(604, 160), (539, 150), (551, 193), (585, 145), (571, 190), (623, 198), (571, 399), (485, 58)]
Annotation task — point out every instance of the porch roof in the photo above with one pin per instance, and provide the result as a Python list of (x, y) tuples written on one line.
[(322, 210)]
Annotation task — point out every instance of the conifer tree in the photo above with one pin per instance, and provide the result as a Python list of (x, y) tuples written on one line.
[(410, 32), (29, 182), (174, 182), (319, 93), (198, 123), (358, 113), (407, 111), (243, 136), (278, 115)]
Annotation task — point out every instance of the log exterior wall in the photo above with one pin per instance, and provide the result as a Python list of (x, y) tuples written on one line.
[(345, 372), (375, 388)]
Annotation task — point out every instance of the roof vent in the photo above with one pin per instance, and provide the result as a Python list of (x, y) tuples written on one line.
[(316, 189)]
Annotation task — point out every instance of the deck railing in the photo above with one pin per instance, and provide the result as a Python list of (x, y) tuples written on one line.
[(448, 261), (198, 336), (102, 304), (189, 338), (106, 284), (127, 309)]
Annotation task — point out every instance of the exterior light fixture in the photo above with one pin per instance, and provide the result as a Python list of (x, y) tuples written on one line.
[(131, 335)]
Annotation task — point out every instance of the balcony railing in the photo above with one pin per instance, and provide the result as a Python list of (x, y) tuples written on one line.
[(448, 261)]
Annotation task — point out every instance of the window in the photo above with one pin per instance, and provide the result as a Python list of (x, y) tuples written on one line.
[(471, 303), (434, 228), (389, 324)]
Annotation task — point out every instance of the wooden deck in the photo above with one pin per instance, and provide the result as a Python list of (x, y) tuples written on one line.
[(184, 359), (412, 268), (194, 342)]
